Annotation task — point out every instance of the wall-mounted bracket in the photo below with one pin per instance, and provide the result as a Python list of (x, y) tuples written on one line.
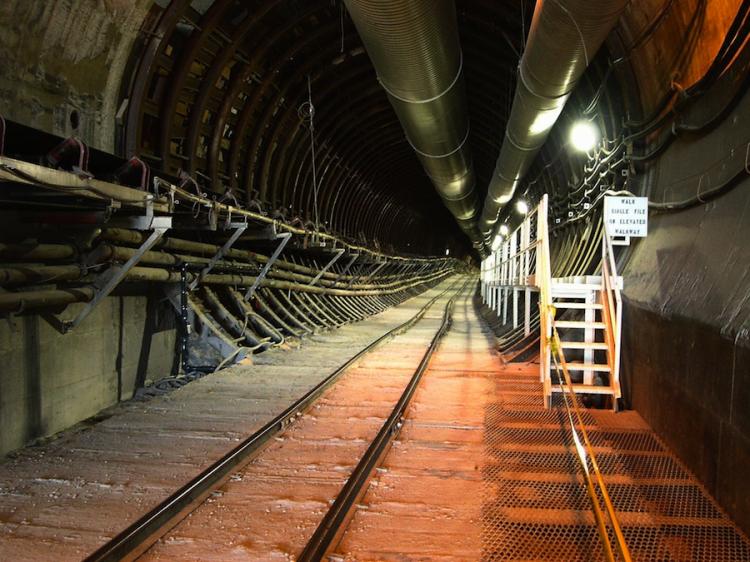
[(380, 266), (146, 221), (107, 281), (337, 255), (624, 241), (267, 233), (238, 230), (346, 268), (283, 239)]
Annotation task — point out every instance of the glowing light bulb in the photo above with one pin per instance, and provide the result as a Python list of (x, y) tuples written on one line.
[(584, 136), (504, 229), (522, 207)]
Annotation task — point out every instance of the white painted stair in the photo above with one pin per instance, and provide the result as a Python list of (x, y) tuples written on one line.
[(589, 335)]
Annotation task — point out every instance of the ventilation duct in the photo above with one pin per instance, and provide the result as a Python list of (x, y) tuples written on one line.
[(415, 49), (565, 35)]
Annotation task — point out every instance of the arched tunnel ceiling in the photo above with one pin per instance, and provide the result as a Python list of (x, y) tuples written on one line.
[(215, 87), (220, 92)]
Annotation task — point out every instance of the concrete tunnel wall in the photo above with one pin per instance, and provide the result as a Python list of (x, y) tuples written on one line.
[(52, 381)]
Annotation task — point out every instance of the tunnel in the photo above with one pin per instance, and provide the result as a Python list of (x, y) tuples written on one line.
[(375, 280)]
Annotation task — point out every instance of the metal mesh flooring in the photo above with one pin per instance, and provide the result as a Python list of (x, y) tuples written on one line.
[(535, 504)]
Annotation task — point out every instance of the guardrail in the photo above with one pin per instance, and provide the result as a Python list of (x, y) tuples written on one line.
[(612, 305), (515, 266)]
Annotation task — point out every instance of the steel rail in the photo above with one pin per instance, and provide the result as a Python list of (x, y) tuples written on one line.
[(145, 531), (334, 522)]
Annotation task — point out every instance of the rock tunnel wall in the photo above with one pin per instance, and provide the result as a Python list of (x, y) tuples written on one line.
[(686, 354), (686, 344), (64, 63)]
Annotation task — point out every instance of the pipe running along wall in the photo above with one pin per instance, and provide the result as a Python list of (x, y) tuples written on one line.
[(564, 37), (415, 49)]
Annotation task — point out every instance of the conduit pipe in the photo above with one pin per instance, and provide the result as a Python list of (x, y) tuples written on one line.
[(415, 49), (564, 37), (207, 251), (18, 302)]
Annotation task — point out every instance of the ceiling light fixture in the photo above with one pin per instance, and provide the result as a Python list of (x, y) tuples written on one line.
[(584, 136)]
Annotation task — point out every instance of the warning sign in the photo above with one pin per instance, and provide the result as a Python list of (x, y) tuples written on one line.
[(626, 216)]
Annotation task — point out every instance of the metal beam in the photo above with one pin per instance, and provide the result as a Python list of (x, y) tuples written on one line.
[(348, 265), (284, 238), (374, 271), (218, 255), (339, 253), (108, 280)]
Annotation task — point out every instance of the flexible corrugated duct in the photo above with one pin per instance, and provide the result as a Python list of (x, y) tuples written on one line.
[(565, 35), (415, 49)]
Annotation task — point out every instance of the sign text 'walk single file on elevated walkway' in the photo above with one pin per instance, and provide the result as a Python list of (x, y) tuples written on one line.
[(626, 216)]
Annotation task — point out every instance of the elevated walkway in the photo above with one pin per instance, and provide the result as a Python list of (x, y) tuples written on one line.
[(580, 315)]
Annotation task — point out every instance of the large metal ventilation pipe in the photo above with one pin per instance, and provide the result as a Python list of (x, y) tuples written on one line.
[(415, 49), (565, 35)]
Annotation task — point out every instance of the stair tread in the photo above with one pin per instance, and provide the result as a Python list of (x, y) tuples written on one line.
[(578, 324), (583, 345), (587, 389), (578, 279), (566, 288), (581, 305), (576, 366)]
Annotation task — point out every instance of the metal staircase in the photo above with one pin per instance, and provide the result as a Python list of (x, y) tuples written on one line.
[(580, 318), (584, 311)]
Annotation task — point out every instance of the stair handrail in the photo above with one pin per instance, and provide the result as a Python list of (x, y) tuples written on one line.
[(522, 259), (546, 310), (612, 307)]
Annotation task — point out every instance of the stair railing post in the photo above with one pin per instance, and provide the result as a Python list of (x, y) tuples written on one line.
[(506, 279), (526, 270), (544, 272), (514, 275), (588, 337)]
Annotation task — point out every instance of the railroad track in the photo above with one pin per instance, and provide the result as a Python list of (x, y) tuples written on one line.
[(134, 541)]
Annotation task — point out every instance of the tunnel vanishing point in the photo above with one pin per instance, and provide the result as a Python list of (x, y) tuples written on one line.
[(375, 280)]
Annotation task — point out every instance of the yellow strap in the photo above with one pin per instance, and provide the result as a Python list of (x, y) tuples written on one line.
[(622, 546)]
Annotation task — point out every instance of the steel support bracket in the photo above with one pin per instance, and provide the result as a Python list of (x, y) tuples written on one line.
[(283, 239), (143, 222), (374, 271), (346, 268), (337, 255), (267, 233), (107, 282), (625, 241), (238, 230), (379, 266)]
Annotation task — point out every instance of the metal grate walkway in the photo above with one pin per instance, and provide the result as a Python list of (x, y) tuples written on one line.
[(535, 503)]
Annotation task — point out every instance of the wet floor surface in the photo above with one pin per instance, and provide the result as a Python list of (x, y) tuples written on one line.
[(63, 499)]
